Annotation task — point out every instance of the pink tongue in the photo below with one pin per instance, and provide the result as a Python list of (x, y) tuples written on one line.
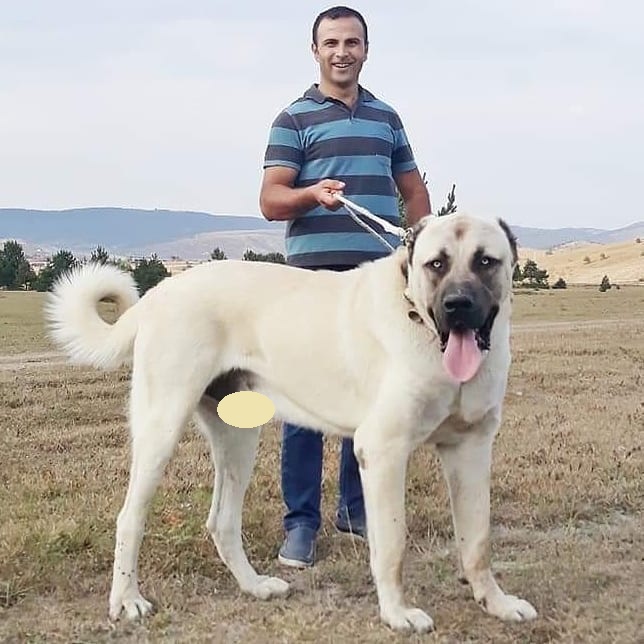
[(462, 356)]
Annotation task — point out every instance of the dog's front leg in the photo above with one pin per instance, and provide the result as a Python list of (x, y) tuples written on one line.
[(466, 466), (383, 466)]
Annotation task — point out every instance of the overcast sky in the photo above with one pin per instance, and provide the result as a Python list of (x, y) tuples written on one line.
[(534, 109)]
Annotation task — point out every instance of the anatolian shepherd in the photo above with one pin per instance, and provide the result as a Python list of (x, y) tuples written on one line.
[(408, 349)]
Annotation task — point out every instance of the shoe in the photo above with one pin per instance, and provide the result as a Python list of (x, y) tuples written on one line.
[(298, 549), (356, 527)]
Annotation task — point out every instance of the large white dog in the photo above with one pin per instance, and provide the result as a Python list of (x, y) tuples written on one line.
[(407, 349)]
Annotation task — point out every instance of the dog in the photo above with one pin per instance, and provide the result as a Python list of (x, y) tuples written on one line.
[(400, 351)]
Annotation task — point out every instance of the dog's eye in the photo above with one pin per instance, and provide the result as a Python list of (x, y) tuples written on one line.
[(487, 261), (436, 264)]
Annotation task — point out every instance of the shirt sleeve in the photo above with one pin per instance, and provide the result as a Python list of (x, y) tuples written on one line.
[(402, 158), (284, 144)]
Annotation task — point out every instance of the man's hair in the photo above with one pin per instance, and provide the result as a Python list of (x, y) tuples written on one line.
[(339, 12)]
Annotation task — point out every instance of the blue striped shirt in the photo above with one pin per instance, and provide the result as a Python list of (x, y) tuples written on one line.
[(365, 147)]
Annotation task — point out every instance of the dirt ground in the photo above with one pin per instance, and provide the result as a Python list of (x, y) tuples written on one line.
[(567, 503)]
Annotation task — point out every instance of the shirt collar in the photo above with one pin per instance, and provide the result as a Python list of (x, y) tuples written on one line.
[(314, 93)]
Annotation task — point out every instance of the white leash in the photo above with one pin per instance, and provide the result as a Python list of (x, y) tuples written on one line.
[(353, 209)]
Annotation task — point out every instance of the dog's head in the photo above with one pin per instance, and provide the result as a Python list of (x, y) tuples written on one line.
[(459, 273)]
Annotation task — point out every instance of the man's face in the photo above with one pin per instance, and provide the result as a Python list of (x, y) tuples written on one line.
[(340, 51)]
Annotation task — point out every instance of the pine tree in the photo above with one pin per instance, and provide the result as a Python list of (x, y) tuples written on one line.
[(217, 254), (148, 273), (15, 270), (58, 264)]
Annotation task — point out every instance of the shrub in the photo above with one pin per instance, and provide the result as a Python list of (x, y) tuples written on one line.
[(560, 283), (605, 285), (586, 260)]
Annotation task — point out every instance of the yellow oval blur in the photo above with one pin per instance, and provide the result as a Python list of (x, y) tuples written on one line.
[(246, 409)]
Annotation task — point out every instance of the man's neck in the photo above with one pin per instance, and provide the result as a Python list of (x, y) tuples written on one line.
[(348, 95)]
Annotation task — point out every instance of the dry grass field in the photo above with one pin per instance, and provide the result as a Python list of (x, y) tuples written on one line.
[(567, 502), (587, 263)]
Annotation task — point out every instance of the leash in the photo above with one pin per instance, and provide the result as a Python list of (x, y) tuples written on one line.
[(404, 234), (354, 209)]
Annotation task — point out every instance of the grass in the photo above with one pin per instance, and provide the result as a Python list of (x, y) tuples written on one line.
[(567, 502)]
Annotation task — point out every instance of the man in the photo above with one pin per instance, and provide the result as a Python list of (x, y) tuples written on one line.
[(337, 137)]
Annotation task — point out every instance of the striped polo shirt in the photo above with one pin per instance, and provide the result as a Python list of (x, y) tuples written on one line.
[(365, 147)]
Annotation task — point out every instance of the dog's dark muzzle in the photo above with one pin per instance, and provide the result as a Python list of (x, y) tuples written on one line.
[(461, 311), (463, 308)]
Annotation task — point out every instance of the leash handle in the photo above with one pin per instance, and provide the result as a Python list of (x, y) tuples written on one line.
[(390, 228)]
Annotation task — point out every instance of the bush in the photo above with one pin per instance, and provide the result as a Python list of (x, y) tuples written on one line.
[(586, 260), (275, 258), (605, 285), (560, 283), (217, 254), (148, 273)]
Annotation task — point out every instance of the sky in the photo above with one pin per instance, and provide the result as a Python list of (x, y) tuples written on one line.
[(535, 110)]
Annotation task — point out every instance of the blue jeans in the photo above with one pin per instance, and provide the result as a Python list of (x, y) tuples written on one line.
[(302, 473), (302, 478)]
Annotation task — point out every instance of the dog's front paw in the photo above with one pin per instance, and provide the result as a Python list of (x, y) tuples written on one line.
[(269, 587), (407, 619), (135, 607), (509, 608)]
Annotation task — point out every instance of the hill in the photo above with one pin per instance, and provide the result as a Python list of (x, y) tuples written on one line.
[(192, 235), (122, 231), (585, 263)]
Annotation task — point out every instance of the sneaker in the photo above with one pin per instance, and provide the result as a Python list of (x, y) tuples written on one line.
[(357, 527), (298, 549)]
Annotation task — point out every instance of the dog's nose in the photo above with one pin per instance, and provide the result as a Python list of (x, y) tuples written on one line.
[(458, 303)]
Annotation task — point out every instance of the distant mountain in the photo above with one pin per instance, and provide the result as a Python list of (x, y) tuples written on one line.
[(122, 231), (544, 238), (192, 235)]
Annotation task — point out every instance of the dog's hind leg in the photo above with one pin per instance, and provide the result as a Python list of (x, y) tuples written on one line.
[(233, 453), (156, 426)]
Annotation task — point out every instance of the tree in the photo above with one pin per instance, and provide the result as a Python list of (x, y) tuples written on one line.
[(99, 256), (15, 270), (58, 264), (605, 285), (560, 283), (517, 276), (536, 277), (275, 258), (218, 254), (450, 206), (148, 273)]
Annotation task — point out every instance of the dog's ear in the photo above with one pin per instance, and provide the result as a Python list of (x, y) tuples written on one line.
[(411, 234), (512, 239)]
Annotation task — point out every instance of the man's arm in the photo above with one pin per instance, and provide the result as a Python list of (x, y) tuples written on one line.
[(415, 195), (280, 201)]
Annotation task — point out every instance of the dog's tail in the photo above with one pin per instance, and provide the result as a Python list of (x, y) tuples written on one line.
[(74, 322)]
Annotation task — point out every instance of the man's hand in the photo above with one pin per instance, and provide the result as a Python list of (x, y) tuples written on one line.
[(280, 201), (324, 193)]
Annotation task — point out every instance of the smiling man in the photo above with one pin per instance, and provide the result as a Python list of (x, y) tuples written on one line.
[(336, 137)]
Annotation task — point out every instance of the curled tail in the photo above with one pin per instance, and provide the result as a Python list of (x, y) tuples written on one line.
[(75, 325)]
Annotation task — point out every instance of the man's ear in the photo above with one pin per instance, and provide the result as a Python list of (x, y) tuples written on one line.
[(314, 51)]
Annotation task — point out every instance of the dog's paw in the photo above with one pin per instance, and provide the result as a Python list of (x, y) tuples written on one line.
[(408, 619), (509, 608), (269, 587), (135, 607)]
